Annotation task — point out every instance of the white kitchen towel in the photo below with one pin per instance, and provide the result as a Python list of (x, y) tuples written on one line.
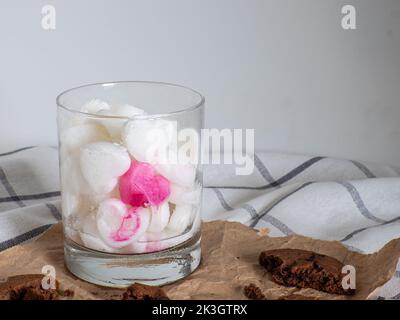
[(355, 202)]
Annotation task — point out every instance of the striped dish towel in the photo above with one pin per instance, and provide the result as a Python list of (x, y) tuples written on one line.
[(354, 202)]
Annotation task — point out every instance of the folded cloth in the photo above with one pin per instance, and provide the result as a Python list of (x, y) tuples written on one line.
[(355, 202)]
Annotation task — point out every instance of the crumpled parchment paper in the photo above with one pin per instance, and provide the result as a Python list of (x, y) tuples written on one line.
[(229, 262)]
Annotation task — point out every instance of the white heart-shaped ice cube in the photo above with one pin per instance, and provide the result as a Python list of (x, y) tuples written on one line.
[(165, 239), (126, 110), (138, 246), (74, 137), (184, 195), (102, 163), (114, 125), (147, 140), (180, 174), (91, 237), (180, 218), (159, 218), (94, 106)]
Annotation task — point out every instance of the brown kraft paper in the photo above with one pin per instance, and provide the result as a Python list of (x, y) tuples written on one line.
[(230, 253)]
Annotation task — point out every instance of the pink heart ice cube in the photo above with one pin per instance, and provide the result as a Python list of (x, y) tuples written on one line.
[(141, 186), (129, 226), (118, 225)]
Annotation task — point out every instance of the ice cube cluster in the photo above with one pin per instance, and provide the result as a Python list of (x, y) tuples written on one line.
[(117, 194)]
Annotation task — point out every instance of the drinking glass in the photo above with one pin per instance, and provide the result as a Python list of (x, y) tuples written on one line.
[(131, 181)]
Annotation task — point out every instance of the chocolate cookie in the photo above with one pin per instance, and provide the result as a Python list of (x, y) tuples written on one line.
[(253, 292), (305, 269), (139, 291), (29, 287)]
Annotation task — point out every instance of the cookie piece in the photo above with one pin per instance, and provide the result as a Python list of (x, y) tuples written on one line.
[(139, 291), (305, 269), (29, 287), (253, 292)]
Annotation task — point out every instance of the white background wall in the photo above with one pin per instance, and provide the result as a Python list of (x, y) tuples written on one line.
[(284, 67)]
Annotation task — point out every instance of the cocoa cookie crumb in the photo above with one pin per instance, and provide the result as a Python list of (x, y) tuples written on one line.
[(253, 292), (29, 287), (139, 291), (67, 293), (305, 269)]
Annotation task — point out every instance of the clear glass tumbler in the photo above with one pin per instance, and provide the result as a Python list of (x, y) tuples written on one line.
[(131, 181)]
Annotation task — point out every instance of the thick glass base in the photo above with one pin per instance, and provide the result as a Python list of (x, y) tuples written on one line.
[(119, 270)]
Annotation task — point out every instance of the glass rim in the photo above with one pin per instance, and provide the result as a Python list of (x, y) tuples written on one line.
[(179, 110)]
